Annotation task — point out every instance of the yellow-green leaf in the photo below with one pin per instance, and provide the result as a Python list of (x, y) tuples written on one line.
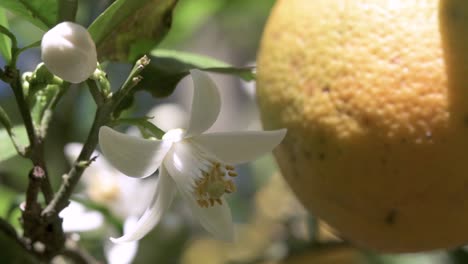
[(42, 13), (7, 149), (128, 29), (5, 42)]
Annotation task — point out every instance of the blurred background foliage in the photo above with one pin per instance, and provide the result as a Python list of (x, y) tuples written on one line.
[(272, 226)]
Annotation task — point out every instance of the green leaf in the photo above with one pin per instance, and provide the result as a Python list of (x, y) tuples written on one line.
[(188, 17), (5, 42), (126, 103), (128, 29), (6, 200), (5, 120), (146, 128), (42, 13), (168, 67), (7, 149)]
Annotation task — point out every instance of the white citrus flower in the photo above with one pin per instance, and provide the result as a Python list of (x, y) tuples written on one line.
[(77, 218), (197, 164), (69, 52), (107, 186)]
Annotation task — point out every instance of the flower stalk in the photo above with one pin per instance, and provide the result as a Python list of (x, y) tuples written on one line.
[(102, 117)]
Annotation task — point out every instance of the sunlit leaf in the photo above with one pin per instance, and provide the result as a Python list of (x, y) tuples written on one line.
[(42, 13), (7, 149), (5, 42), (188, 17), (128, 29), (168, 67)]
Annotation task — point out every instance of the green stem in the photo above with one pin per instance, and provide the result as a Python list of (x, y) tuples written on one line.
[(94, 90), (10, 35), (32, 45), (133, 78), (35, 151), (71, 179), (102, 117), (67, 10), (15, 51), (23, 108)]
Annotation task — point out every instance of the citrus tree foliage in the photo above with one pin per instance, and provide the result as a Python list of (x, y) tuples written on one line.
[(125, 32)]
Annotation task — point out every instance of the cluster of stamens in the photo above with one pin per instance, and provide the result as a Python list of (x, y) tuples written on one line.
[(213, 184)]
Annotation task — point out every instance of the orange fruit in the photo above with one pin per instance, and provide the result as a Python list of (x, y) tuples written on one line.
[(374, 94)]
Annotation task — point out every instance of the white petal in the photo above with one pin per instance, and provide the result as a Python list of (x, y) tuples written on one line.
[(168, 116), (135, 157), (132, 192), (182, 166), (238, 147), (217, 219), (123, 253), (162, 199), (206, 103), (77, 218)]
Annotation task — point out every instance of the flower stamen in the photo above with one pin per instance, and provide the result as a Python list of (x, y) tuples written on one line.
[(213, 184)]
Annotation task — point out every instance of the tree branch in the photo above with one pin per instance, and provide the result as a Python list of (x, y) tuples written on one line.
[(71, 179), (35, 150), (77, 255), (102, 117), (94, 90)]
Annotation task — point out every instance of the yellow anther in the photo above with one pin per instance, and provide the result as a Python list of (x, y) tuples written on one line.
[(230, 187), (200, 203), (213, 184)]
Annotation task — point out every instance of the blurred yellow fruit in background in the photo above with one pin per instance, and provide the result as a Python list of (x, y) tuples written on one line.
[(339, 254), (374, 94)]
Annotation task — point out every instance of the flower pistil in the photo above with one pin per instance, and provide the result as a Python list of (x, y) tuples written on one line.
[(214, 184)]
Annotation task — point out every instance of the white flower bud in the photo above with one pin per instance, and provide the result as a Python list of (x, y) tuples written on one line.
[(69, 52)]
